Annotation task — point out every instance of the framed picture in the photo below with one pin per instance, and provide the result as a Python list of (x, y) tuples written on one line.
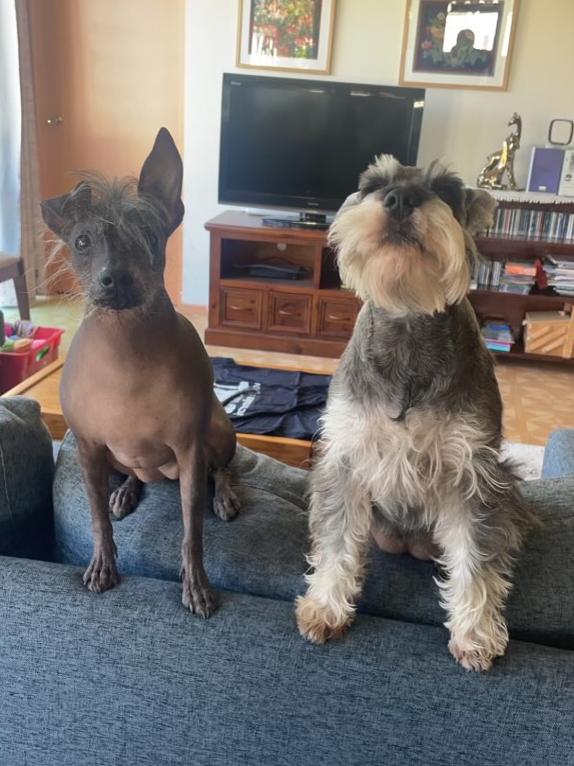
[(458, 44), (288, 35)]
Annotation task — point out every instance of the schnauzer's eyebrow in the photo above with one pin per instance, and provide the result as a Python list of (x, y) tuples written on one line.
[(370, 185), (377, 182)]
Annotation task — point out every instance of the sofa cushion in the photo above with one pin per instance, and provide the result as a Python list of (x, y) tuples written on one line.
[(26, 472), (263, 551), (129, 677)]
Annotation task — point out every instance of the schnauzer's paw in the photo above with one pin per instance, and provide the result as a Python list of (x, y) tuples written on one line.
[(472, 656), (125, 498), (316, 623), (226, 505), (102, 573), (197, 594)]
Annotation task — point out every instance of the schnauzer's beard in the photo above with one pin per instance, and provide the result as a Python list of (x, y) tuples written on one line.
[(419, 272)]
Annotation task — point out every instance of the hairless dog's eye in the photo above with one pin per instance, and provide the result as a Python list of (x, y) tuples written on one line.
[(82, 242)]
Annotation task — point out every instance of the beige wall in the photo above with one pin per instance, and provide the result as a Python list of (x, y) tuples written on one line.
[(462, 126)]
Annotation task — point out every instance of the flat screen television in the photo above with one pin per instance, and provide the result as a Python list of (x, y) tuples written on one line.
[(302, 144)]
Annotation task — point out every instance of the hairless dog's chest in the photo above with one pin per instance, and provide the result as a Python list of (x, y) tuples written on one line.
[(141, 409)]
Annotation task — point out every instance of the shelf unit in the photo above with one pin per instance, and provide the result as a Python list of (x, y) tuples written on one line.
[(313, 315), (509, 306), (316, 315)]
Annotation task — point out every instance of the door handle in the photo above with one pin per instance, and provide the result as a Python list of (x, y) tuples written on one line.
[(53, 122)]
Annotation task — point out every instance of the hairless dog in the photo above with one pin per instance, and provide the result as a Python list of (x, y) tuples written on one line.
[(137, 387)]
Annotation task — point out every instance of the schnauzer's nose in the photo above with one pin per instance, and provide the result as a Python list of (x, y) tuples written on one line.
[(401, 202)]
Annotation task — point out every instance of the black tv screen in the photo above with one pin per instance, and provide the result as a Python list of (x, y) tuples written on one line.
[(302, 144)]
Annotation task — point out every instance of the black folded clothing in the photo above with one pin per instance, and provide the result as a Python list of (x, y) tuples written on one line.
[(274, 402), (275, 268)]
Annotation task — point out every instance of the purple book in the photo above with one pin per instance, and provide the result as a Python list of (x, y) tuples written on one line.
[(545, 169)]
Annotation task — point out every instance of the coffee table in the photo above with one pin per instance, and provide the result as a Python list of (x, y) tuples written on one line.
[(44, 387)]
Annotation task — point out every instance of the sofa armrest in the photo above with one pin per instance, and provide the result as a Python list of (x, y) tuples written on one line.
[(26, 475), (559, 455)]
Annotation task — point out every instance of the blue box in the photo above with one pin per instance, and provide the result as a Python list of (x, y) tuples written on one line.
[(545, 169)]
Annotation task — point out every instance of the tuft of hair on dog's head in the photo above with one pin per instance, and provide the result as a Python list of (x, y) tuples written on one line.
[(405, 240)]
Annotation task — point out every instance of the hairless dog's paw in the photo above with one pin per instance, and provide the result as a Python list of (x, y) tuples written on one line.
[(101, 574), (225, 502), (226, 505), (197, 595), (125, 498)]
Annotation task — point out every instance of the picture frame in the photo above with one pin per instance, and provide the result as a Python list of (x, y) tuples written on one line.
[(458, 43), (271, 36)]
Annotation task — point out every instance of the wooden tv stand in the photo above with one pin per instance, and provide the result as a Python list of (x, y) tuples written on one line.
[(313, 315)]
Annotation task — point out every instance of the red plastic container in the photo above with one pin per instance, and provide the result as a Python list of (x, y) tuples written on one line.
[(16, 366)]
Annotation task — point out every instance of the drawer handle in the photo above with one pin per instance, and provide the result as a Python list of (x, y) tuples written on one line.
[(240, 308), (338, 318), (285, 313)]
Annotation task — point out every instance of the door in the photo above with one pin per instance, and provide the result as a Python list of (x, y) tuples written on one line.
[(107, 75)]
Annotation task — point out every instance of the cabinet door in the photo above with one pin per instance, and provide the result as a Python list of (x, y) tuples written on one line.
[(337, 317), (241, 308), (289, 313)]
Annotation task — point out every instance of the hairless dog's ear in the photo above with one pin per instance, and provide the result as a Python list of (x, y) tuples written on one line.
[(60, 213), (161, 177)]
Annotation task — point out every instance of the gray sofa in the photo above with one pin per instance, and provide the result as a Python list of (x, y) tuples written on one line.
[(129, 677)]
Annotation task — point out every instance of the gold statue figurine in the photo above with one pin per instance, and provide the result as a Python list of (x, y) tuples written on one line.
[(501, 163)]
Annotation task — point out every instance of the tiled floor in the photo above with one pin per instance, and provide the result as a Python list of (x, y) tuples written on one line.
[(538, 398)]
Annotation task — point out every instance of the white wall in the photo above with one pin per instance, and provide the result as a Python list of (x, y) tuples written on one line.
[(462, 126)]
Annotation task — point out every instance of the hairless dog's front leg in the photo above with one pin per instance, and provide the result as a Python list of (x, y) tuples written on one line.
[(102, 573), (198, 596)]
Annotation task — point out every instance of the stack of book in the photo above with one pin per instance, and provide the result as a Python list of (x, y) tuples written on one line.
[(560, 275), (533, 224), (486, 275), (506, 277), (497, 335), (518, 277)]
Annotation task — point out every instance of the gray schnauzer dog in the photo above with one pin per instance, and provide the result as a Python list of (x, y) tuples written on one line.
[(410, 449)]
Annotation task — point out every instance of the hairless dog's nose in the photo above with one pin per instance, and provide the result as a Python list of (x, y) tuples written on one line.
[(106, 278)]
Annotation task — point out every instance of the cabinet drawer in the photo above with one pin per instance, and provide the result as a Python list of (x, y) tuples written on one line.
[(241, 308), (289, 312), (337, 317)]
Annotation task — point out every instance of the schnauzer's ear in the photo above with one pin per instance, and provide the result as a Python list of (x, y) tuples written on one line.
[(479, 207), (61, 213), (161, 178)]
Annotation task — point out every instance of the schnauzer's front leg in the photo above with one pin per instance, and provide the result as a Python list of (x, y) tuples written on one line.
[(340, 519), (102, 573), (477, 557), (197, 594)]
